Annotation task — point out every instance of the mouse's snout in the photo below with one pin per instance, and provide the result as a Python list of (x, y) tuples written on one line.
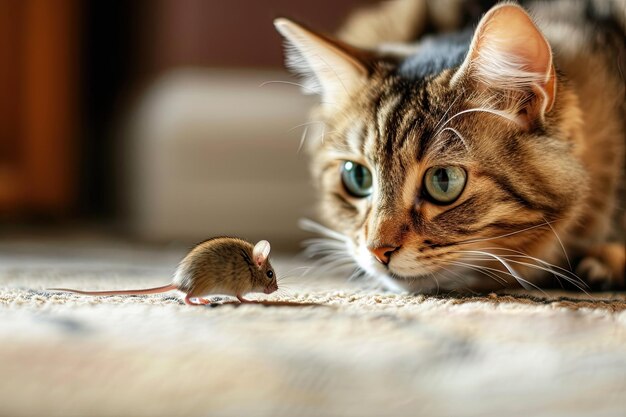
[(271, 288)]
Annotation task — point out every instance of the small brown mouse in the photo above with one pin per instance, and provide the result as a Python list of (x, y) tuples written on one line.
[(221, 265)]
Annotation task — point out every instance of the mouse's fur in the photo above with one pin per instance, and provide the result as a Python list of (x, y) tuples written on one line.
[(221, 265)]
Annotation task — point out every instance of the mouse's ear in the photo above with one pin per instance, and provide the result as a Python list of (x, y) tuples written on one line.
[(260, 252)]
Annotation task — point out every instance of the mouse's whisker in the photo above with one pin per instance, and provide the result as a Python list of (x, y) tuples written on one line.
[(288, 273)]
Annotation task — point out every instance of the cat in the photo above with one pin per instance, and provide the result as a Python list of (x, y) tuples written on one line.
[(464, 153)]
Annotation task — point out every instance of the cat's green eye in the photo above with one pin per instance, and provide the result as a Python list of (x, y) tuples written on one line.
[(445, 184), (357, 180)]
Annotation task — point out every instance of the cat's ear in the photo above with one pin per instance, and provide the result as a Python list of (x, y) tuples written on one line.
[(510, 57), (328, 67)]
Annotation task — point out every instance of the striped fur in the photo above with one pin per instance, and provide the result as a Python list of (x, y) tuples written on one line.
[(545, 163)]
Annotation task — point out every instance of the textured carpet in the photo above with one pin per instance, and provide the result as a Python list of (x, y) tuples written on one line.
[(356, 352)]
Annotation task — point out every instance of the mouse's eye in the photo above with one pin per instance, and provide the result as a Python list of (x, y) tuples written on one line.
[(270, 274)]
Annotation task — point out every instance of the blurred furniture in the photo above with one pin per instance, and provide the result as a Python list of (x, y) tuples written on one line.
[(38, 67), (214, 152)]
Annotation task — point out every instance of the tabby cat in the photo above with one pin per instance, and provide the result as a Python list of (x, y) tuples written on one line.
[(457, 152)]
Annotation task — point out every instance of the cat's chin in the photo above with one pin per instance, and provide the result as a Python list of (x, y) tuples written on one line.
[(422, 285)]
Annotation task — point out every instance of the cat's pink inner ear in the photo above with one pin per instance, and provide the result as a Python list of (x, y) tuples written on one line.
[(260, 252), (509, 53)]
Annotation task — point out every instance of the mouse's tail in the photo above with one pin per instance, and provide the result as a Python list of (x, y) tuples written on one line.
[(155, 290)]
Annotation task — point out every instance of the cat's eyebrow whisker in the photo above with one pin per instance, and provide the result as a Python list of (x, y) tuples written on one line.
[(440, 144), (458, 134), (323, 135), (500, 113), (446, 112), (305, 132), (302, 86), (302, 139), (307, 90), (305, 124)]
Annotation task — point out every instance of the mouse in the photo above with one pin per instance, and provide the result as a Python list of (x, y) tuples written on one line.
[(220, 265)]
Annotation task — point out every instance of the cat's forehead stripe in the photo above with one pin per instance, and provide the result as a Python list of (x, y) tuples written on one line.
[(355, 137), (384, 109)]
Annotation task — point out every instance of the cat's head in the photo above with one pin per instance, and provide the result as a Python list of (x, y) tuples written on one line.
[(427, 162)]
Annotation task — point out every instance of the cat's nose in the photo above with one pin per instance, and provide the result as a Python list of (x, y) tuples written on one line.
[(383, 253)]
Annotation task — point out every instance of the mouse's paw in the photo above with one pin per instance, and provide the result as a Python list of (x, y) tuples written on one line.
[(196, 301), (603, 267), (245, 300)]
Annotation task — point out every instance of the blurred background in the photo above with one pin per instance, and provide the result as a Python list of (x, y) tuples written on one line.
[(153, 119)]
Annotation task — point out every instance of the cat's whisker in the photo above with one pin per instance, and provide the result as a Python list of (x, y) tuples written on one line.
[(482, 269), (312, 226), (325, 241), (463, 279), (320, 250), (487, 239), (336, 266), (547, 267), (525, 255), (560, 243), (523, 282), (289, 279), (357, 273), (552, 271), (296, 269), (547, 264), (434, 277)]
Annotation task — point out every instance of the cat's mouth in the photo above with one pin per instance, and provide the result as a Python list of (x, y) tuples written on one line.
[(394, 278)]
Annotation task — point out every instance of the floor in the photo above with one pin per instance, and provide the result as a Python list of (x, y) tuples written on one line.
[(345, 349)]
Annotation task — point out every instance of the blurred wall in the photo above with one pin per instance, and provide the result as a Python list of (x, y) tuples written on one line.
[(75, 75), (236, 33)]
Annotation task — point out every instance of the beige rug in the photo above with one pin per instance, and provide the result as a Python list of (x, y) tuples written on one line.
[(358, 352)]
